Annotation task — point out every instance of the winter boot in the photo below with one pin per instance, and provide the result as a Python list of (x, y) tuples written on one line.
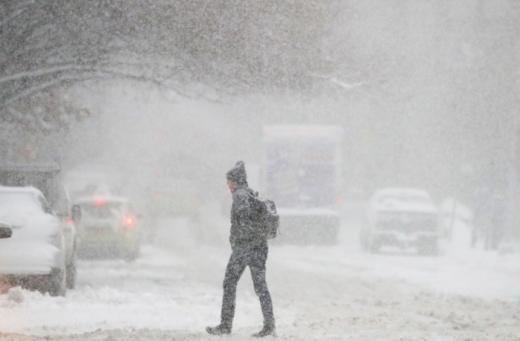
[(266, 331), (221, 329)]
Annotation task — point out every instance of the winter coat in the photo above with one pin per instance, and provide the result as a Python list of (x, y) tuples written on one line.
[(243, 232)]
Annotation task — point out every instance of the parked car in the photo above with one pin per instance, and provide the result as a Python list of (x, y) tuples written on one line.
[(35, 255), (45, 176), (402, 217), (109, 226)]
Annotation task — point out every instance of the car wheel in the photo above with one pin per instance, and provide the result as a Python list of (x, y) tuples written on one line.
[(430, 248), (131, 254), (374, 246), (71, 273), (57, 282)]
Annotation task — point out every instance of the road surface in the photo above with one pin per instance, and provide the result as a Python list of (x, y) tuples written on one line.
[(173, 291)]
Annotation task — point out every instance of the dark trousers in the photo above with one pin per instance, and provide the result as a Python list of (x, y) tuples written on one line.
[(254, 257)]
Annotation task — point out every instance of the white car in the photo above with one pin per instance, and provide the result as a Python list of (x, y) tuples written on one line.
[(34, 256), (402, 217)]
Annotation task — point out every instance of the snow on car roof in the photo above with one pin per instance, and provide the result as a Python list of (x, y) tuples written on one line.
[(403, 199), (27, 189)]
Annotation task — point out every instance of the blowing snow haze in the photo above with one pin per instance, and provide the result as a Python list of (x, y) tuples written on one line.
[(426, 92), (150, 98)]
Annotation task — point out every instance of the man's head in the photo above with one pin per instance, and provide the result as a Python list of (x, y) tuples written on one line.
[(237, 175)]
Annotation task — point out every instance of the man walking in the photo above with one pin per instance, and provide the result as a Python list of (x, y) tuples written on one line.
[(249, 248)]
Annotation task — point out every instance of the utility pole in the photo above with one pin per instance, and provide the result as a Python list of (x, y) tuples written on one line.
[(513, 227), (513, 232)]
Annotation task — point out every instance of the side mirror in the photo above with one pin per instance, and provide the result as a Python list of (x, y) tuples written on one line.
[(76, 213), (5, 231)]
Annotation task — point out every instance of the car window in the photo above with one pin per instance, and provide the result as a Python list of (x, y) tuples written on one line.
[(46, 207), (101, 210)]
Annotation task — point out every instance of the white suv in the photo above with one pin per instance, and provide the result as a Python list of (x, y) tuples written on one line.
[(34, 256), (401, 217)]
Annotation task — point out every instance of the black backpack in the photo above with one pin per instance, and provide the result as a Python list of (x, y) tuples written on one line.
[(264, 216)]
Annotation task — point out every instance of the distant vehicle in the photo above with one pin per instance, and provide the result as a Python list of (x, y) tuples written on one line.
[(402, 217), (35, 255), (110, 226), (46, 177), (301, 173), (174, 197), (85, 183)]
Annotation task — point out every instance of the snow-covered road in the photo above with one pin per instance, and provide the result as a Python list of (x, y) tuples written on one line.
[(173, 291)]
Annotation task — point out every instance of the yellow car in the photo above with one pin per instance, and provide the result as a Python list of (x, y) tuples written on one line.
[(108, 227)]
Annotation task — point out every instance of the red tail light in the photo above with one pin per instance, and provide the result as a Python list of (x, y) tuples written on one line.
[(129, 221)]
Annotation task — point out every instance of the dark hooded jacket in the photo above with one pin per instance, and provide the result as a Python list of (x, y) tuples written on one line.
[(243, 233)]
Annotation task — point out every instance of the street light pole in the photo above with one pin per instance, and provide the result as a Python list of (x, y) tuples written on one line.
[(513, 217)]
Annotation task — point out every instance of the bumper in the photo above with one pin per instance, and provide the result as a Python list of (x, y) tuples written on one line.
[(30, 258), (104, 236), (389, 238), (308, 228), (106, 242)]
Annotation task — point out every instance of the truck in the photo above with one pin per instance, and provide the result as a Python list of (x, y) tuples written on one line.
[(302, 173), (43, 176)]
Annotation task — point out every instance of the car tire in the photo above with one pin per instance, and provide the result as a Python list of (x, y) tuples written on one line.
[(131, 255), (430, 248), (57, 285), (374, 246), (71, 273)]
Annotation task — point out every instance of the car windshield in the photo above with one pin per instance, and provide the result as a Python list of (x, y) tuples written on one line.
[(102, 210), (20, 202)]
